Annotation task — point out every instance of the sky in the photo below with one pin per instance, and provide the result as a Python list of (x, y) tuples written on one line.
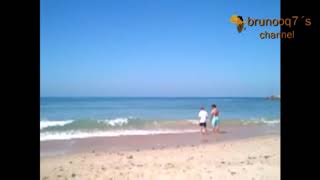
[(167, 48)]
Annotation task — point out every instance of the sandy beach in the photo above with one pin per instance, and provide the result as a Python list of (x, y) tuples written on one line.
[(250, 158)]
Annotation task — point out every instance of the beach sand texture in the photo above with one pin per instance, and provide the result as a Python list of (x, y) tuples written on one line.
[(256, 158)]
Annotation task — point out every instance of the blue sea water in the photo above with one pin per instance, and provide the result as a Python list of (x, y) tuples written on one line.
[(67, 117)]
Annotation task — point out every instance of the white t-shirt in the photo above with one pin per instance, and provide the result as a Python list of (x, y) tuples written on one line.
[(203, 116)]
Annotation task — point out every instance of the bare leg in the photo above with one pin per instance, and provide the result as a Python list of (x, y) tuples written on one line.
[(218, 129), (201, 130), (214, 128)]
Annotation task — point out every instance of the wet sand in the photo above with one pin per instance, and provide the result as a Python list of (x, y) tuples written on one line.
[(141, 142)]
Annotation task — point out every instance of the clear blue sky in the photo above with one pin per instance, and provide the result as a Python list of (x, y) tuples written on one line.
[(156, 48)]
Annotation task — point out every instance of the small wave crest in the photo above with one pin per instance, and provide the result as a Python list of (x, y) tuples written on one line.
[(47, 123), (44, 124)]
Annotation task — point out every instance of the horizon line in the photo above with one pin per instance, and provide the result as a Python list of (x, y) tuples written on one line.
[(156, 96)]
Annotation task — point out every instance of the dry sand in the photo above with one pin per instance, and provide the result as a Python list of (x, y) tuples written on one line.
[(256, 158)]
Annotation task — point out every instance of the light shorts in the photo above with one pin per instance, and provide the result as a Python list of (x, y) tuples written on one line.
[(215, 121)]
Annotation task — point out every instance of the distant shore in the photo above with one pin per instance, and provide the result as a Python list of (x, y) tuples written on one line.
[(273, 97)]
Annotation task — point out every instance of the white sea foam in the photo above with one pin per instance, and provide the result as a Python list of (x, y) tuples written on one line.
[(271, 121), (193, 121), (46, 123), (45, 136), (115, 122), (261, 120)]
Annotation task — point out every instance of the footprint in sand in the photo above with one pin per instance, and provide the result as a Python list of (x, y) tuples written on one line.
[(73, 175), (45, 178), (266, 156), (251, 157), (169, 165), (190, 158), (232, 172), (249, 163)]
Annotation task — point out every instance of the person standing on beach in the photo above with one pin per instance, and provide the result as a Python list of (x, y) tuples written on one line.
[(203, 115), (215, 121)]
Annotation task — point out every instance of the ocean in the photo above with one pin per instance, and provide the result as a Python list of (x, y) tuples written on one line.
[(82, 117)]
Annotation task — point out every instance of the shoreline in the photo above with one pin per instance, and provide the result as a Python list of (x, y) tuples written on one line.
[(157, 141)]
